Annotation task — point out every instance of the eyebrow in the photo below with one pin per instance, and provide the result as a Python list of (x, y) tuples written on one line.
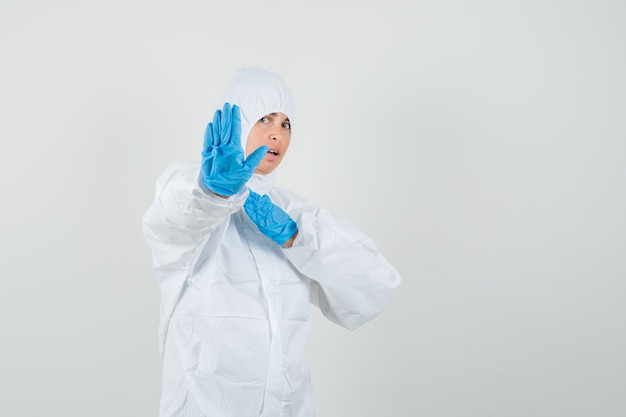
[(274, 114)]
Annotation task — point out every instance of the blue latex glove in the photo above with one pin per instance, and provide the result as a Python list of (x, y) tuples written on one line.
[(224, 170), (271, 220)]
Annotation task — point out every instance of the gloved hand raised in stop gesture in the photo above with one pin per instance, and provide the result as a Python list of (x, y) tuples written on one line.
[(224, 169), (271, 220)]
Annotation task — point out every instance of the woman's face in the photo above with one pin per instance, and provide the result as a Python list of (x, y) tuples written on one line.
[(274, 131)]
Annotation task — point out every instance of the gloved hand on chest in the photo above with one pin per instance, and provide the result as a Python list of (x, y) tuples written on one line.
[(271, 220)]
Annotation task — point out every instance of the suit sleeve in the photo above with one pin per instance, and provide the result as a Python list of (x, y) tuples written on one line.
[(181, 217), (354, 281)]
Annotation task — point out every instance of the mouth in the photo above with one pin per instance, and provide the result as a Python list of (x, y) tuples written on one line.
[(273, 152)]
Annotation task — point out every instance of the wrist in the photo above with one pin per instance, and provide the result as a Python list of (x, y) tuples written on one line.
[(218, 195), (289, 243)]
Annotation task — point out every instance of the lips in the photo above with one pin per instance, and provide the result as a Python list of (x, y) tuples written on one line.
[(272, 155)]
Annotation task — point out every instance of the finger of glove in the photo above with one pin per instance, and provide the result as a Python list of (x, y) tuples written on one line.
[(251, 205), (257, 208), (255, 158), (266, 207), (265, 200), (253, 198), (208, 140), (215, 128), (225, 125), (235, 126)]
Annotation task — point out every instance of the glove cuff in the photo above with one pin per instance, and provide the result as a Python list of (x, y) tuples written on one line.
[(287, 233)]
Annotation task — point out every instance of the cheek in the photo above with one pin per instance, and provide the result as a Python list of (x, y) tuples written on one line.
[(251, 142)]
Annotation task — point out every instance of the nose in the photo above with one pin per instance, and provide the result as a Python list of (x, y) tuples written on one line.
[(276, 134)]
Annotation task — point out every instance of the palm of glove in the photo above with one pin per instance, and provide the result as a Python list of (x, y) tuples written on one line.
[(224, 169), (271, 220)]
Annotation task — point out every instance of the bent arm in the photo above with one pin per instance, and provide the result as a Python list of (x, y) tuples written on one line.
[(354, 280)]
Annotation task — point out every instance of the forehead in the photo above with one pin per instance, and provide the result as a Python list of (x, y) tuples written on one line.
[(277, 115)]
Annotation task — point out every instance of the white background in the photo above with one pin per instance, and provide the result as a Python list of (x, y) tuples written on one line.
[(481, 143)]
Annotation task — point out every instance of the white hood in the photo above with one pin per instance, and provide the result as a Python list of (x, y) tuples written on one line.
[(258, 92)]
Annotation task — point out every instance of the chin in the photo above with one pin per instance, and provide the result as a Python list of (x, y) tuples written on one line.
[(263, 171)]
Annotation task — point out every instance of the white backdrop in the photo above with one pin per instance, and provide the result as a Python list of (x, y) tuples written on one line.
[(482, 144)]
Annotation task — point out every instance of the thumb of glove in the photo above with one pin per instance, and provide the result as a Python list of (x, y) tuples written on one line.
[(254, 159)]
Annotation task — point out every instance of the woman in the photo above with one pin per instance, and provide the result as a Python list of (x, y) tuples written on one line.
[(238, 260)]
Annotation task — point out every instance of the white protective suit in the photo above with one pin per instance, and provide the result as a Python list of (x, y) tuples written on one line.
[(234, 304)]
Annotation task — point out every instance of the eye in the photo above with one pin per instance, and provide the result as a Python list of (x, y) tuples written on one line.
[(287, 125), (264, 119)]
